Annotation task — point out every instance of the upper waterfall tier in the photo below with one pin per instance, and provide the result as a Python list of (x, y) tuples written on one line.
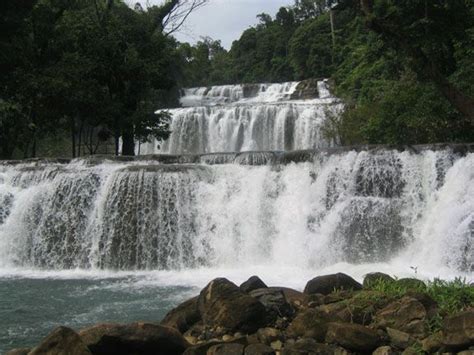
[(235, 118)]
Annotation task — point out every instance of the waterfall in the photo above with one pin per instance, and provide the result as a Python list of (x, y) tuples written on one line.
[(227, 210), (235, 118)]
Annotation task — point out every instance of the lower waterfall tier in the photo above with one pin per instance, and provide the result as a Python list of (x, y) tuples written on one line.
[(357, 207)]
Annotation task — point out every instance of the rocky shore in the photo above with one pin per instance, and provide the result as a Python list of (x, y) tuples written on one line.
[(334, 315)]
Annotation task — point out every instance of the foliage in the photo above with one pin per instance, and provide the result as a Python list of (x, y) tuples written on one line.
[(451, 296)]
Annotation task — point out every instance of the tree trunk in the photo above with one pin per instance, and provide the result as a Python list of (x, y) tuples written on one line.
[(128, 143), (73, 136)]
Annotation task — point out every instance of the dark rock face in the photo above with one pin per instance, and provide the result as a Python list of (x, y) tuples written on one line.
[(135, 338), (19, 351), (250, 90), (353, 336), (184, 316), (309, 346), (222, 303), (61, 341), (374, 277), (226, 349), (306, 89), (259, 349), (329, 283), (311, 323), (406, 314), (274, 301), (253, 283), (458, 330)]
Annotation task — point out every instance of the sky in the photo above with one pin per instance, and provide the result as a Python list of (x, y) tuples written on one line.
[(225, 20)]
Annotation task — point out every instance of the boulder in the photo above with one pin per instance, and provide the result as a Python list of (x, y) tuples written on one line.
[(399, 339), (269, 335), (375, 277), (309, 346), (184, 316), (353, 336), (253, 283), (259, 349), (311, 323), (296, 298), (274, 301), (305, 90), (329, 283), (222, 303), (406, 314), (201, 349), (226, 349), (60, 341), (432, 343), (19, 351), (142, 338), (458, 330), (384, 350)]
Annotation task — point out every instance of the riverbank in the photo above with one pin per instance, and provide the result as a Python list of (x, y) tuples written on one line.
[(334, 314)]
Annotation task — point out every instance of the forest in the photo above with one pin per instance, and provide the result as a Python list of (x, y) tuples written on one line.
[(80, 74)]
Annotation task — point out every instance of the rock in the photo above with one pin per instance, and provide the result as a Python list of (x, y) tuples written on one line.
[(226, 349), (190, 339), (411, 283), (432, 343), (253, 283), (184, 316), (353, 336), (61, 341), (384, 350), (311, 323), (375, 277), (406, 314), (259, 349), (274, 301), (269, 335), (305, 90), (142, 338), (200, 349), (410, 351), (227, 337), (293, 297), (222, 303), (458, 330), (309, 346), (400, 339), (358, 309), (466, 352), (337, 297), (19, 351), (329, 283), (277, 345)]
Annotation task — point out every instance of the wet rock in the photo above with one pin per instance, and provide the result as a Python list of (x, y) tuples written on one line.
[(329, 283), (184, 316), (61, 341), (466, 352), (375, 277), (296, 298), (305, 90), (269, 335), (274, 301), (384, 350), (142, 338), (253, 283), (259, 349), (311, 323), (353, 336), (399, 339), (222, 303), (458, 330), (19, 351), (226, 349), (201, 349), (407, 315)]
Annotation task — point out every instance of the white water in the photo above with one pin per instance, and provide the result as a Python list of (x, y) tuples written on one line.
[(353, 212), (258, 117)]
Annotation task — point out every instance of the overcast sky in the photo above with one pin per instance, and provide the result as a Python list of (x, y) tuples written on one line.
[(225, 20)]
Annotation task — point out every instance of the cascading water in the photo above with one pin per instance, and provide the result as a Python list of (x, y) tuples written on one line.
[(248, 117), (382, 206), (97, 240)]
